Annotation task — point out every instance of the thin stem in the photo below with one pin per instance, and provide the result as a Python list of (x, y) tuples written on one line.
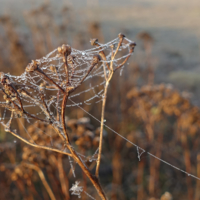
[(37, 146), (64, 102), (66, 69), (93, 179), (42, 177), (102, 123), (104, 104), (62, 176), (125, 60)]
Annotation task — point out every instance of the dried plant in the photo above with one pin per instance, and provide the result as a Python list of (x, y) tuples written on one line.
[(42, 92)]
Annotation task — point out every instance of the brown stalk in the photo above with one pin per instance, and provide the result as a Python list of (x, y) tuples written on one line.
[(63, 178), (96, 59), (17, 95), (37, 146), (58, 94), (108, 78), (42, 177), (64, 102), (77, 159)]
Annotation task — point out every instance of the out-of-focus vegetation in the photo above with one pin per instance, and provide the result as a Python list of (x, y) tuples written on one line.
[(158, 118)]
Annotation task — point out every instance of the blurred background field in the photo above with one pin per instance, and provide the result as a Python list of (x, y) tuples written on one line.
[(154, 103)]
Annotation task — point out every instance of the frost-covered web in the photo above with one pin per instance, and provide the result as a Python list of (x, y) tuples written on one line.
[(139, 150), (36, 95), (52, 66)]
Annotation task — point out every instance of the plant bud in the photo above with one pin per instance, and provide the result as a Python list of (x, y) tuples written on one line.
[(31, 67), (93, 41), (121, 35)]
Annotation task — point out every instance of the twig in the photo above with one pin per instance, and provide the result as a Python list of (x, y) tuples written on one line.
[(108, 79), (35, 145)]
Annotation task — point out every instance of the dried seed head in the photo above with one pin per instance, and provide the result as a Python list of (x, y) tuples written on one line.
[(93, 41), (132, 45), (31, 67), (66, 49), (96, 59), (121, 35), (5, 81), (59, 50)]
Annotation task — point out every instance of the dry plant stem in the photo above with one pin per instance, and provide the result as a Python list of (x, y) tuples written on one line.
[(77, 159), (126, 59), (66, 69), (104, 104), (38, 146), (102, 123), (42, 177), (63, 179), (64, 102), (93, 179), (58, 95)]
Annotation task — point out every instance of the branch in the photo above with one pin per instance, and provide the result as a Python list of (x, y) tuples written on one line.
[(35, 145)]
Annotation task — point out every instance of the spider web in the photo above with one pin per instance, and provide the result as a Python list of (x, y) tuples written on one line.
[(36, 91), (53, 66)]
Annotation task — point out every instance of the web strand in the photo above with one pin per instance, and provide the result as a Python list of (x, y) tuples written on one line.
[(138, 147)]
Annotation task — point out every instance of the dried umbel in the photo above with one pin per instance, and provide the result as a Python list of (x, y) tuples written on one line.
[(132, 46), (31, 67), (64, 50), (49, 85)]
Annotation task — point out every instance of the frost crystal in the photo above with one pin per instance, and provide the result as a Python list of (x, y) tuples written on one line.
[(76, 189)]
